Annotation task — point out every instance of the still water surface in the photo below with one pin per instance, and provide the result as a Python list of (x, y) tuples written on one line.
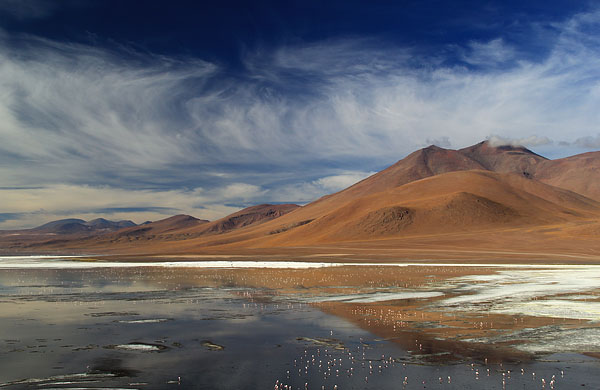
[(193, 328)]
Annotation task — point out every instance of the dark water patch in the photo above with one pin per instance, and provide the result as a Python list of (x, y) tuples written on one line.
[(111, 366)]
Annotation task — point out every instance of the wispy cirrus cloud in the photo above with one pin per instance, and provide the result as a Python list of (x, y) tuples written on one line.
[(492, 53), (300, 121)]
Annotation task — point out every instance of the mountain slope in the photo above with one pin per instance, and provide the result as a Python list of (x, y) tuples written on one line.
[(465, 202), (72, 226), (446, 203), (167, 228), (249, 216), (477, 192), (184, 227), (579, 173), (423, 163), (504, 158)]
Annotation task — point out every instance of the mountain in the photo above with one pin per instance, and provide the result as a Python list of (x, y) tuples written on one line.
[(70, 225), (461, 201), (186, 227), (101, 223), (74, 226), (504, 158), (580, 173), (435, 202), (70, 230), (575, 173), (249, 216), (423, 163), (165, 228)]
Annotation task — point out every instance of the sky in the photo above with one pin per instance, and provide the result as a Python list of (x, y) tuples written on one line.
[(142, 110)]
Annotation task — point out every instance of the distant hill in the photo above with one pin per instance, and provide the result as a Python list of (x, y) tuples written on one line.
[(482, 196), (185, 227), (63, 230), (249, 216), (165, 229), (74, 226)]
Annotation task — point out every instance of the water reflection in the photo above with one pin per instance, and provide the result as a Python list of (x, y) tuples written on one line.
[(337, 327)]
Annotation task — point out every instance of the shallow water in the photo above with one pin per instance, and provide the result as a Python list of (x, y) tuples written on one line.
[(161, 327)]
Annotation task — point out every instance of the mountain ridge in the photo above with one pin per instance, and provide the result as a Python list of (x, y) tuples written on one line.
[(482, 191)]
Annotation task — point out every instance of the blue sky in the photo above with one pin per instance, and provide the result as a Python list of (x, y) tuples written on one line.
[(131, 111)]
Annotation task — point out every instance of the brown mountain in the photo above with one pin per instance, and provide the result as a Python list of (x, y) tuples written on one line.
[(502, 199), (505, 158), (580, 173), (65, 230), (177, 228), (70, 227), (576, 173), (168, 227), (423, 163), (447, 203), (249, 216)]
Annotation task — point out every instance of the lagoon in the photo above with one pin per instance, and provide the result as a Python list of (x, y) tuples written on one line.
[(68, 323)]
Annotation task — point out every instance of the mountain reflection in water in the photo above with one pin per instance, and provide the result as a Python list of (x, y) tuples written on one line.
[(346, 326)]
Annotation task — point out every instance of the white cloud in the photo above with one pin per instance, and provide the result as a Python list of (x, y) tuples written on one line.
[(530, 141), (80, 108), (443, 142), (306, 191), (336, 183), (494, 52), (65, 103), (81, 115), (588, 142)]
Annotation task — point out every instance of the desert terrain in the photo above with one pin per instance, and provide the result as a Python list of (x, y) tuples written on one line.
[(480, 203)]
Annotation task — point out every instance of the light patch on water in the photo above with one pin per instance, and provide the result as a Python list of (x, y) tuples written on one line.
[(377, 296), (138, 347), (549, 339), (91, 388), (570, 340), (66, 377), (66, 383), (145, 321), (557, 308), (60, 262), (530, 292)]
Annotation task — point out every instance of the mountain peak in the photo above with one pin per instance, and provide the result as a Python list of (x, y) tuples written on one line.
[(433, 147), (494, 146), (504, 158)]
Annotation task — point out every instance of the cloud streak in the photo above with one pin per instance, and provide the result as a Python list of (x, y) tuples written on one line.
[(300, 121)]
